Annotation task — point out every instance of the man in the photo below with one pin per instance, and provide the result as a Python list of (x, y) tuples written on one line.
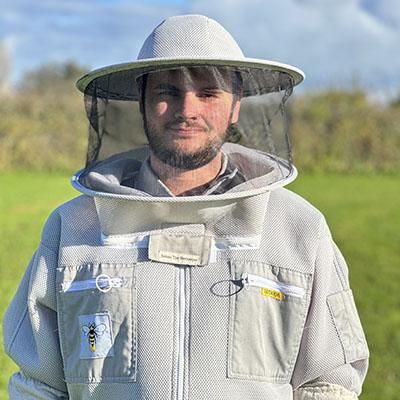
[(186, 271), (186, 122)]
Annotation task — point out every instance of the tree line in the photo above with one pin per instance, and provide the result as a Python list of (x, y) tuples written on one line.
[(43, 127)]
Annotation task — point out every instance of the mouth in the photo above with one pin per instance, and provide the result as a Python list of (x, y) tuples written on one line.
[(186, 131)]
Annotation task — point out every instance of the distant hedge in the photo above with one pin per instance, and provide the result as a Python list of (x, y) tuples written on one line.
[(42, 132), (333, 131), (339, 131)]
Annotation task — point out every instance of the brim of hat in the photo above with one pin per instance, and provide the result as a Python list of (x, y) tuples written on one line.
[(132, 70)]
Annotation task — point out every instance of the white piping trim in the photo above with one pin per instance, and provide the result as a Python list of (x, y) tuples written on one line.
[(142, 242), (132, 241), (126, 241), (75, 181), (181, 334)]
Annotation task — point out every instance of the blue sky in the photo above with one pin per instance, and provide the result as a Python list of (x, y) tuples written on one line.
[(336, 42)]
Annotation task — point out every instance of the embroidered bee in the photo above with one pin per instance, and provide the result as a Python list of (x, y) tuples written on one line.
[(92, 331)]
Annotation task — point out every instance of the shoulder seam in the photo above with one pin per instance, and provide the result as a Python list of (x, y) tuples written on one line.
[(48, 248), (10, 345)]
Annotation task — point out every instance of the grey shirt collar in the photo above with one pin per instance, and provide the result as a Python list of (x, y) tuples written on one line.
[(147, 181)]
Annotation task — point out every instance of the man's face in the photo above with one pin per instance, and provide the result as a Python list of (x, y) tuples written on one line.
[(186, 115)]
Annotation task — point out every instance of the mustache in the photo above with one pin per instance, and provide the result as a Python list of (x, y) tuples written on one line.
[(186, 124)]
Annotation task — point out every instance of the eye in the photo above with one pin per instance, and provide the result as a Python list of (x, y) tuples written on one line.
[(209, 94)]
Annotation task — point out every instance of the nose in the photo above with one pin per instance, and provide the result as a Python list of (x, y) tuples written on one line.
[(188, 106)]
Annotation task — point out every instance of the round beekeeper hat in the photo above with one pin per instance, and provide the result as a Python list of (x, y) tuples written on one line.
[(188, 40)]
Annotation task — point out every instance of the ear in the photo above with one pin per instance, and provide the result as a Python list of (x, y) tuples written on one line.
[(141, 100), (235, 110), (141, 83), (141, 105)]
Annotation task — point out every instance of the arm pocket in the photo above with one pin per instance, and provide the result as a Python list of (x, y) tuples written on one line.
[(347, 322)]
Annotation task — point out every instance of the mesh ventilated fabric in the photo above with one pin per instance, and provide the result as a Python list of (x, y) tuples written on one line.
[(116, 123), (184, 320), (39, 318), (189, 73), (185, 40), (295, 236), (187, 35)]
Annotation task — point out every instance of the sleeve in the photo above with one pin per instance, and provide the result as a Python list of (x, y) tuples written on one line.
[(333, 356), (30, 332)]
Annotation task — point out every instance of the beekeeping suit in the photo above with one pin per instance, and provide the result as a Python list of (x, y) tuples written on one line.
[(185, 270)]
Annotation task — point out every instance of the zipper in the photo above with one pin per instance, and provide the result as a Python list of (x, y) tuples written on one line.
[(102, 282), (261, 282), (181, 334), (219, 244)]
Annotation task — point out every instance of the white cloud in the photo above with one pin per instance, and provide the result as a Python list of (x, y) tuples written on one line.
[(333, 41), (92, 35), (386, 10)]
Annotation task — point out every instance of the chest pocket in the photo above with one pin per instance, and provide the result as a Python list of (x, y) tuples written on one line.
[(268, 307), (97, 322)]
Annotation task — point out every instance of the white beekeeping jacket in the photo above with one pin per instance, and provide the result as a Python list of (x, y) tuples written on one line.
[(219, 297), (228, 286)]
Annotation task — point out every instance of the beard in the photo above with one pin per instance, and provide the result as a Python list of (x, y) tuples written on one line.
[(171, 155)]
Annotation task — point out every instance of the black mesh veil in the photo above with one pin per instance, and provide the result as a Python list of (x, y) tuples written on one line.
[(116, 106)]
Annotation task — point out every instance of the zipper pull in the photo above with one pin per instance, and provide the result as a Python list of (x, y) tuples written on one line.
[(241, 283), (245, 280), (105, 283)]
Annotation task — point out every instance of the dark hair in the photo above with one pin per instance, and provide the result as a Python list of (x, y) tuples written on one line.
[(236, 75), (141, 82), (237, 83)]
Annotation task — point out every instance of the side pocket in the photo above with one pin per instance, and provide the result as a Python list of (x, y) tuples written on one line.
[(267, 317), (97, 321), (347, 322)]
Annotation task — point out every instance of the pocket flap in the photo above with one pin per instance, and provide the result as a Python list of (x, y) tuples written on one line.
[(348, 325)]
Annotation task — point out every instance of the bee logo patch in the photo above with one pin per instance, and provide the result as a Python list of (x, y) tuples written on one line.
[(96, 336)]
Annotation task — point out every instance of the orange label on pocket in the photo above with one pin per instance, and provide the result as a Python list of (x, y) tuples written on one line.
[(275, 294)]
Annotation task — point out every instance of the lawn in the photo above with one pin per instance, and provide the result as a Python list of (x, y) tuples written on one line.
[(362, 211)]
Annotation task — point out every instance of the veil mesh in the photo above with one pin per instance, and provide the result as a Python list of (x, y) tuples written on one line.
[(114, 107)]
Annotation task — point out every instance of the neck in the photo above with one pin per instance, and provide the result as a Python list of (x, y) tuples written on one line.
[(179, 181)]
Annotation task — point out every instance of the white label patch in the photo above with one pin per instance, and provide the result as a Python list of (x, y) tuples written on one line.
[(96, 336), (182, 245)]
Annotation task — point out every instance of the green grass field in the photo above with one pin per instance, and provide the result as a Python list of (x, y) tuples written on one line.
[(362, 211)]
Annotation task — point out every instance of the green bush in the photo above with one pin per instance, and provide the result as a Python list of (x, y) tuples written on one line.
[(43, 126), (340, 131), (42, 132)]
